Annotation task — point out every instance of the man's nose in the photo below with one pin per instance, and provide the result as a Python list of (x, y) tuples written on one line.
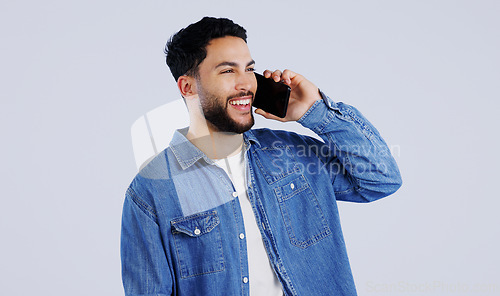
[(245, 81)]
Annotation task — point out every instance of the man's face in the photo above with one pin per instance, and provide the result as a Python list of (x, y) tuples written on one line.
[(226, 85)]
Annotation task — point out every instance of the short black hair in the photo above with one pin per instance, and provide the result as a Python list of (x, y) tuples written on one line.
[(187, 48)]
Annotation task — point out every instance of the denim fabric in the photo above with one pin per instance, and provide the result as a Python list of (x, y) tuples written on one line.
[(182, 220)]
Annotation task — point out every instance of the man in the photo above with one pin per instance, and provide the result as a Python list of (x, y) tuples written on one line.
[(226, 210)]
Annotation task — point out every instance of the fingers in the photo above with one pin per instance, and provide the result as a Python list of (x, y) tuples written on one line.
[(285, 76), (276, 75)]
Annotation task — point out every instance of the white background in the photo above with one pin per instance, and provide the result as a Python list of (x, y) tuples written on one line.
[(75, 75)]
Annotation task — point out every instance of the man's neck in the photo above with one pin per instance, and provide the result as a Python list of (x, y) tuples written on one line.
[(215, 144)]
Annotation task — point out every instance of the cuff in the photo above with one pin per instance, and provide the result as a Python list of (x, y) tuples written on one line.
[(320, 113)]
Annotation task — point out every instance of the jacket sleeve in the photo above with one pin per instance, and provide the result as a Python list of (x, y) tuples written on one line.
[(145, 269), (358, 159)]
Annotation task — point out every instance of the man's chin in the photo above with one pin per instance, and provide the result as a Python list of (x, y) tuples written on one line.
[(244, 125), (241, 128), (228, 124)]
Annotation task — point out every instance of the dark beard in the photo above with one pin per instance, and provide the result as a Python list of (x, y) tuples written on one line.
[(216, 113)]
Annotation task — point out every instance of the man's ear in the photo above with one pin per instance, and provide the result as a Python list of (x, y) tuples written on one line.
[(187, 86)]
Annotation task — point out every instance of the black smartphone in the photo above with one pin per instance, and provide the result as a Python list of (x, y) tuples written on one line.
[(271, 96)]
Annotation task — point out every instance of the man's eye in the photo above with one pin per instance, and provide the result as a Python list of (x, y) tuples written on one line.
[(251, 69), (227, 71)]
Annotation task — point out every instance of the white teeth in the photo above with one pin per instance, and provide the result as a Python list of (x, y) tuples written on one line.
[(240, 102)]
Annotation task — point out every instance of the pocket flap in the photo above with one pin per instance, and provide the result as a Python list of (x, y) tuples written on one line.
[(290, 189), (197, 224)]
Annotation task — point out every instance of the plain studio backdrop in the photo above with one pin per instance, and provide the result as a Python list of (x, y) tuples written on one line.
[(75, 75)]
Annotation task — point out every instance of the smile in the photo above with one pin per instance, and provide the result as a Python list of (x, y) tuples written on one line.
[(240, 102)]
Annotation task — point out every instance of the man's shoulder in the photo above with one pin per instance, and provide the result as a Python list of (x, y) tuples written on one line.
[(153, 183), (156, 167), (154, 173)]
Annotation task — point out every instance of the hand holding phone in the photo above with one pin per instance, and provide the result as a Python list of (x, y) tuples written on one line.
[(271, 96)]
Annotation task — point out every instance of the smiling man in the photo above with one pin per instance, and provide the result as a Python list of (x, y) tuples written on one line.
[(219, 96), (228, 85), (230, 210)]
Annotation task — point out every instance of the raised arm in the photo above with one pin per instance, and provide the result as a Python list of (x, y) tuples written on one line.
[(364, 167)]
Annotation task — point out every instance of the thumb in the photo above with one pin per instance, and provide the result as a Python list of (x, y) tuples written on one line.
[(268, 115)]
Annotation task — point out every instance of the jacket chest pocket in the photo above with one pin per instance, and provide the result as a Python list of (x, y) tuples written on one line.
[(302, 214), (198, 244)]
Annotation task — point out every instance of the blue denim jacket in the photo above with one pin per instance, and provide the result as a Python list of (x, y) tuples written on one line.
[(182, 219)]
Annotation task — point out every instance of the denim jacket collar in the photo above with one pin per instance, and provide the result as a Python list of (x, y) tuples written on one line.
[(249, 138), (185, 152)]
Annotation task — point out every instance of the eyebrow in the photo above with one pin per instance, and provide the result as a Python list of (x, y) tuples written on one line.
[(233, 64)]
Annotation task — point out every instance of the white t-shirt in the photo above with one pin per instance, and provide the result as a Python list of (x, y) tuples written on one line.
[(262, 279)]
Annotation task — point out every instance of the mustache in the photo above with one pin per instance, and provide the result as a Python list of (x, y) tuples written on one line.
[(241, 94)]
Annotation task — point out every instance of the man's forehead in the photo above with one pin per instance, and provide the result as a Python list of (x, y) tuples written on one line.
[(228, 50)]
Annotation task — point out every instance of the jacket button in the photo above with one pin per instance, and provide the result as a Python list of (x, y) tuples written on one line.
[(235, 194), (292, 186), (245, 280), (242, 235), (197, 231)]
